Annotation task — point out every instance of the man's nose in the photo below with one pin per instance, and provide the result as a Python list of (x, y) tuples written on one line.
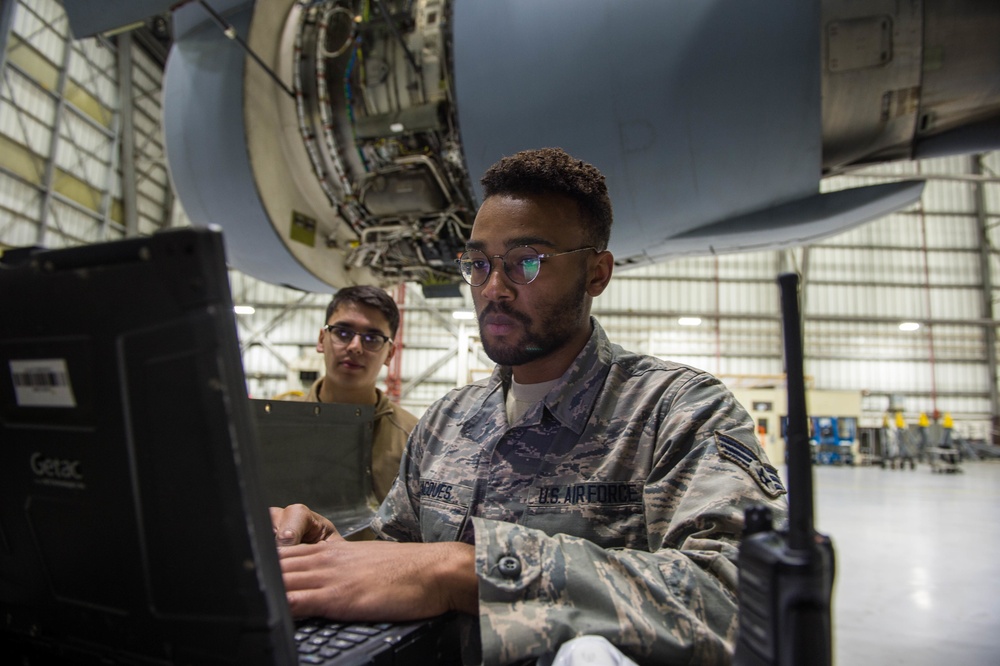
[(498, 286)]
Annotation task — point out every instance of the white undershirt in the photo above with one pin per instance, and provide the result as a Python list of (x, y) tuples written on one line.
[(522, 397)]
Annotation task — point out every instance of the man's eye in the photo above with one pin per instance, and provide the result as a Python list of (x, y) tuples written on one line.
[(479, 264)]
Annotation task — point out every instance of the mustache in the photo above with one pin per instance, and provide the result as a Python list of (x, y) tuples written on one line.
[(502, 308)]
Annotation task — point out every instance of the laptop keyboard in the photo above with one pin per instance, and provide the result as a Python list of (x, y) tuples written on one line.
[(320, 641)]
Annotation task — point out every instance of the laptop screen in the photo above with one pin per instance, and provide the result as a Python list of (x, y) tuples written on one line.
[(320, 455), (130, 525)]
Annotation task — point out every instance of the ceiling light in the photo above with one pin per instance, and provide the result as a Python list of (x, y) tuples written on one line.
[(909, 326), (689, 321), (243, 309), (463, 314)]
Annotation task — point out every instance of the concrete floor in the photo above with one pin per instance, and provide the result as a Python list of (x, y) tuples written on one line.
[(917, 563)]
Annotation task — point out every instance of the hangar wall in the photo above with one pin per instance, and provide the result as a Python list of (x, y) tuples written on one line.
[(81, 160), (71, 172)]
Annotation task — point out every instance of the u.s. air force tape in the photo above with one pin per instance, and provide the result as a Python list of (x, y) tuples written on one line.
[(761, 472)]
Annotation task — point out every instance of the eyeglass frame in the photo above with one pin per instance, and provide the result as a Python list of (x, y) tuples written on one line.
[(343, 342), (503, 260)]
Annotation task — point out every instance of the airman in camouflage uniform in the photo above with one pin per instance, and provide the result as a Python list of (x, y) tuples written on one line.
[(580, 490), (613, 507)]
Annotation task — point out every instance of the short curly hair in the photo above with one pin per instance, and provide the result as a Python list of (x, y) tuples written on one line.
[(554, 171)]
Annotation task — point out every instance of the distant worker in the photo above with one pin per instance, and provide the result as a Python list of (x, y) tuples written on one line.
[(890, 445), (946, 427), (922, 424), (356, 342), (904, 450)]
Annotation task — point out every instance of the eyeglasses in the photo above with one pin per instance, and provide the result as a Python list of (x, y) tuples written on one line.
[(372, 342), (521, 264)]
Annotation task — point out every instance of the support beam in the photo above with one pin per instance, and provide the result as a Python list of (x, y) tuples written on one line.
[(48, 179), (989, 331), (127, 145), (7, 8)]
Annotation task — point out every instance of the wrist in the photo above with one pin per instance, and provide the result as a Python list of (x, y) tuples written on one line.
[(455, 574)]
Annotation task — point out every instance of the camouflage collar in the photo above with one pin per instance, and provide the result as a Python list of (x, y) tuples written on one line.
[(571, 400)]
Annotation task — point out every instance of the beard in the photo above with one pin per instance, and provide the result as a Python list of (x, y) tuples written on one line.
[(554, 328)]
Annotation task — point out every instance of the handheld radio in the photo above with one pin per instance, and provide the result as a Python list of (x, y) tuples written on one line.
[(786, 578)]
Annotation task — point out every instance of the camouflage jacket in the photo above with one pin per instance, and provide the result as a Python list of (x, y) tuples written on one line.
[(614, 507)]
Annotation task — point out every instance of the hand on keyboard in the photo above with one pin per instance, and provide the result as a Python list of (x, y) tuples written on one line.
[(297, 523), (379, 581)]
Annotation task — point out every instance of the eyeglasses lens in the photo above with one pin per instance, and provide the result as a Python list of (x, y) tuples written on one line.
[(475, 266), (369, 341), (520, 263)]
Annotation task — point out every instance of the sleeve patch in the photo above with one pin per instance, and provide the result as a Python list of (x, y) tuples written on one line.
[(764, 474)]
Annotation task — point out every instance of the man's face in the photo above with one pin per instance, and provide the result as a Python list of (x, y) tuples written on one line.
[(547, 321), (351, 366)]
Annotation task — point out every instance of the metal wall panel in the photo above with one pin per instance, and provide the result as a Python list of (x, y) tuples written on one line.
[(19, 204), (93, 70), (27, 113), (42, 24)]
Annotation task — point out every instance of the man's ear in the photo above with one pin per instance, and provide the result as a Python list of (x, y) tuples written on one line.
[(388, 357), (319, 342), (599, 273)]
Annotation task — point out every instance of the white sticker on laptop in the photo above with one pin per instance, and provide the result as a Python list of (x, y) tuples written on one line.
[(42, 382)]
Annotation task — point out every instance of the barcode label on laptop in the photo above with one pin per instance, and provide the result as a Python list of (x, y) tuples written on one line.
[(42, 382)]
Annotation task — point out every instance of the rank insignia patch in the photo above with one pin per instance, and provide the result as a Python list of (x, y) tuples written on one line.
[(764, 474)]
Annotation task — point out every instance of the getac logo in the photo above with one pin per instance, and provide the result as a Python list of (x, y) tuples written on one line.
[(56, 468)]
